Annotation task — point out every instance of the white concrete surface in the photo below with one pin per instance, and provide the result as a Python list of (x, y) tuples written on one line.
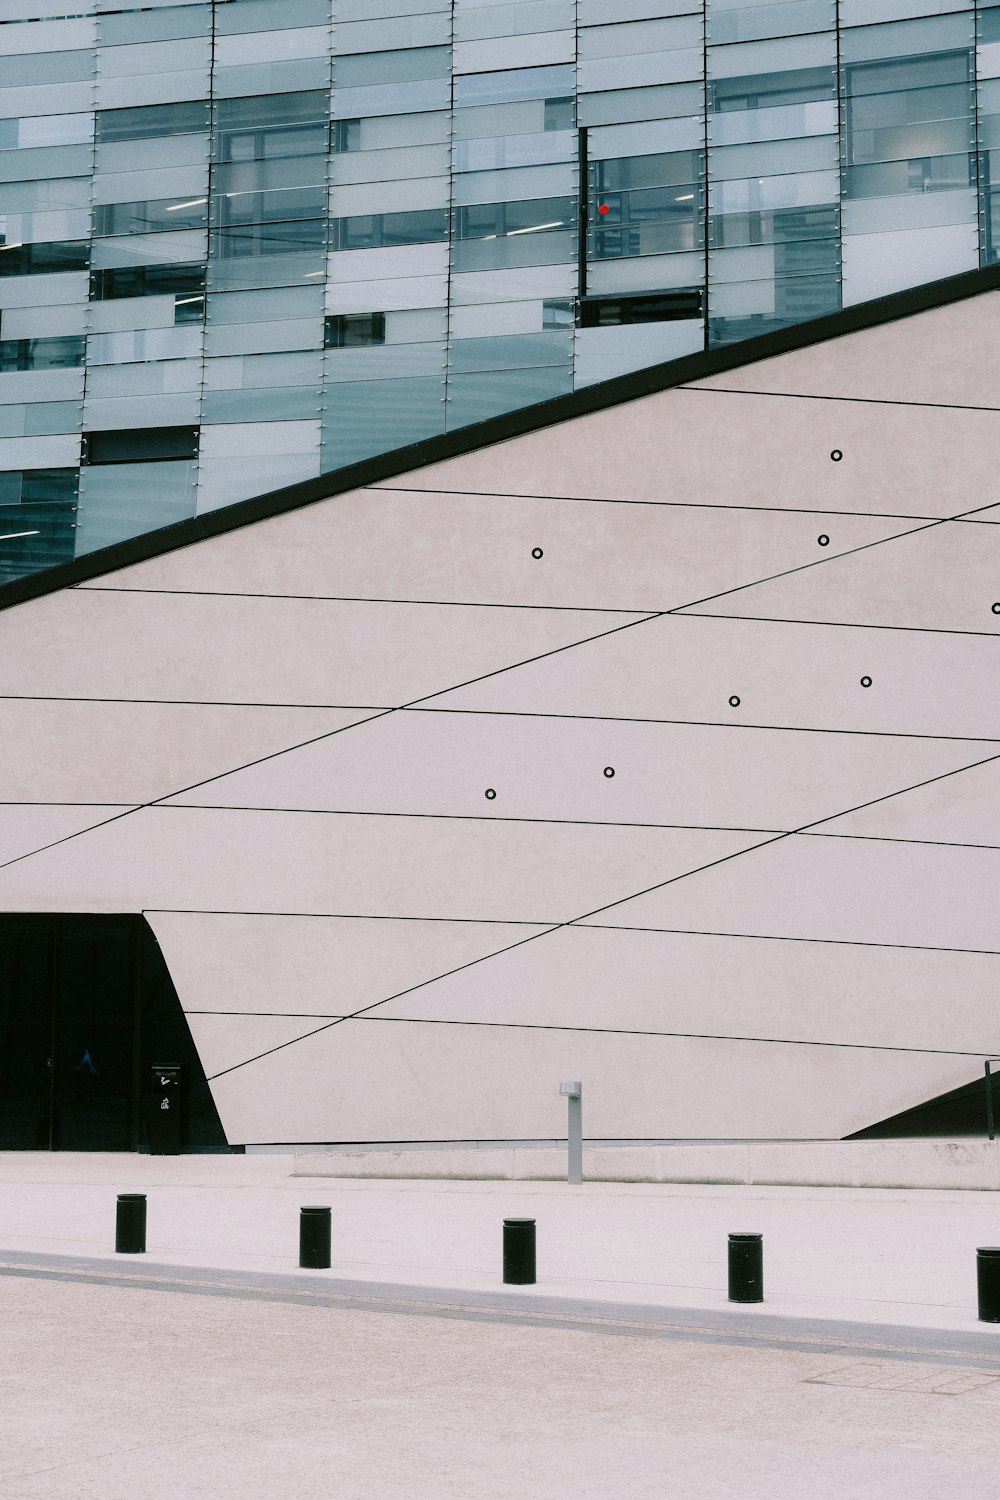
[(775, 917), (949, 1164), (904, 1257), (114, 1392)]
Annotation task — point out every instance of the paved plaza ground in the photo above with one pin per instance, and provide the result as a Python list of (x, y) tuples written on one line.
[(213, 1367)]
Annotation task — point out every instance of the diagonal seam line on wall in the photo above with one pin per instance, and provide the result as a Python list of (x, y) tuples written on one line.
[(572, 609), (427, 698), (575, 609), (990, 635), (721, 505), (353, 916), (313, 740), (704, 1036), (558, 927), (837, 557), (354, 812), (374, 710), (883, 734), (726, 390), (413, 704)]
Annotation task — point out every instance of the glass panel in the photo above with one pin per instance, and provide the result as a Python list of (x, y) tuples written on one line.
[(37, 515), (490, 152), (255, 240), (909, 125), (147, 281), (143, 344), (928, 35), (25, 1000), (393, 99), (155, 120), (494, 253), (259, 15), (41, 419), (46, 130), (158, 60), (280, 404), (432, 29), (612, 106), (150, 215), (140, 445), (764, 227), (474, 398), (272, 125), (259, 307), (773, 90), (238, 49), (750, 22), (40, 354), (237, 271), (510, 86), (404, 66), (155, 26), (506, 20), (370, 231), (376, 415), (262, 338), (518, 351), (642, 37), (123, 500), (608, 312), (351, 330), (552, 180), (645, 205), (23, 70), (526, 216), (93, 1062), (43, 259)]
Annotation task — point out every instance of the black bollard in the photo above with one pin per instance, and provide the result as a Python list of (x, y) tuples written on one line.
[(314, 1239), (746, 1268), (988, 1283), (519, 1251), (130, 1224)]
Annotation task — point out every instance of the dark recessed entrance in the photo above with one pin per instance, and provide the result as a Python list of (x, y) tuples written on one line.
[(87, 1009)]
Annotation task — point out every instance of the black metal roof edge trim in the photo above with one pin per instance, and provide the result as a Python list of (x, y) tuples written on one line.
[(527, 419)]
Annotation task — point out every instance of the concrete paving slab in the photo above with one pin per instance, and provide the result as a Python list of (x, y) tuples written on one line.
[(903, 1257), (111, 1392)]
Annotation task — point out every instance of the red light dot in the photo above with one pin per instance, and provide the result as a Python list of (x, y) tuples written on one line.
[(603, 209)]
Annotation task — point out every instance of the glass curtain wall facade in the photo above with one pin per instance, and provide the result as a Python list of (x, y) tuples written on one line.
[(246, 241)]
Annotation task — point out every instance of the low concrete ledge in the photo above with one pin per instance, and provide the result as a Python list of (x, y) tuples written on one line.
[(956, 1164)]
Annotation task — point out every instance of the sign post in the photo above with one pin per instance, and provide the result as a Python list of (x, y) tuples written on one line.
[(989, 1098)]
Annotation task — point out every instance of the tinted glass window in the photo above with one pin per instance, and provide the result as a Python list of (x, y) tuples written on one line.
[(147, 281), (370, 231), (152, 120), (43, 260), (140, 445)]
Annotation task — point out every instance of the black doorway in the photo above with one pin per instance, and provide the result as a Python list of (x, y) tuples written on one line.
[(87, 1009)]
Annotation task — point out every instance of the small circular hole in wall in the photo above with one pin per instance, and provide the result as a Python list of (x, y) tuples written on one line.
[(734, 702), (836, 455), (996, 609), (823, 540), (537, 552), (609, 771), (490, 794), (866, 682)]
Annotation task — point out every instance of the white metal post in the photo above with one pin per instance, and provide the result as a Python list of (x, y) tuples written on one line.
[(574, 1103)]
